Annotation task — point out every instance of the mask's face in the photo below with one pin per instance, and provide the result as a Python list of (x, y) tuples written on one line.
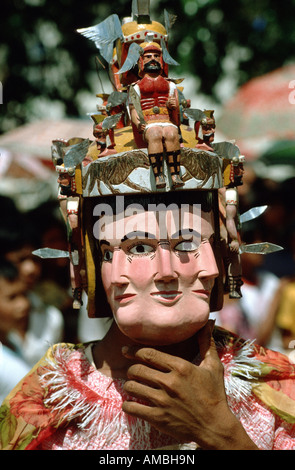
[(159, 282)]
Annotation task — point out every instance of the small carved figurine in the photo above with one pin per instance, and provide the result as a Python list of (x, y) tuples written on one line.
[(207, 127), (154, 112), (234, 269)]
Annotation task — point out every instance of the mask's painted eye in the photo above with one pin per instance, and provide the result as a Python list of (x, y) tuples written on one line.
[(108, 255), (141, 249), (186, 245)]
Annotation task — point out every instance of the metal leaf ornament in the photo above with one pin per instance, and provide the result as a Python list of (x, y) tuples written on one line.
[(195, 114), (166, 56), (134, 52), (111, 121), (76, 154), (104, 35)]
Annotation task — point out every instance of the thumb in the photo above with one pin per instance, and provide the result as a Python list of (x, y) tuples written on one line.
[(206, 342)]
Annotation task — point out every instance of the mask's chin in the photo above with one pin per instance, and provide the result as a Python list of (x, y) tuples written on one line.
[(154, 335)]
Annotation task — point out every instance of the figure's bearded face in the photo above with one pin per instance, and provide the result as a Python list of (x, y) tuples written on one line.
[(152, 62), (208, 131)]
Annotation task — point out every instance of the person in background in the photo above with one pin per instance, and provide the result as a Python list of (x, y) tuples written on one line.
[(53, 286), (250, 316), (14, 311), (18, 239)]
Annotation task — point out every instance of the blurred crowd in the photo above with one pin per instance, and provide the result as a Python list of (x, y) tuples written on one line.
[(36, 304), (266, 311), (35, 295)]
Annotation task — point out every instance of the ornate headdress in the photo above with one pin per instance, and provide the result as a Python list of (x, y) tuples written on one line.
[(88, 177)]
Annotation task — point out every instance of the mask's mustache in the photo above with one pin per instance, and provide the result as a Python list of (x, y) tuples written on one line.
[(152, 63), (207, 136)]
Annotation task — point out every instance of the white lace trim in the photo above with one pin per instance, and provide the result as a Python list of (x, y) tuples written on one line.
[(98, 417)]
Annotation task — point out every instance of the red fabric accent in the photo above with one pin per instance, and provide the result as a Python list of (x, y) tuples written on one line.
[(45, 434)]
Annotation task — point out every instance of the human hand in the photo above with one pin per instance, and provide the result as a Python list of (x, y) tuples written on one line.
[(234, 246), (171, 102), (141, 127), (185, 401)]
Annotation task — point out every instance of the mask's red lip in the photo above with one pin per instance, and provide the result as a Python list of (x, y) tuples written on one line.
[(166, 296), (124, 297), (173, 292), (202, 292)]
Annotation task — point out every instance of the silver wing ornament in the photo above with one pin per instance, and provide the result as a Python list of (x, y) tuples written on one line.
[(226, 149), (169, 19), (51, 253), (115, 99), (263, 248), (134, 52), (104, 35), (252, 213), (166, 56), (111, 121), (76, 154), (195, 114)]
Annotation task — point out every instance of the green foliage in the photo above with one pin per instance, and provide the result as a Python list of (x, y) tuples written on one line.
[(47, 69), (8, 425)]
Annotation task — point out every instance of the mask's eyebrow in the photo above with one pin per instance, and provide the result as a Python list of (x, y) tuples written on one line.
[(104, 242), (186, 231), (137, 234)]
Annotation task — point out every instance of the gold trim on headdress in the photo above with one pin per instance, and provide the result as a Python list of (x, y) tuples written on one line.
[(150, 45), (134, 31)]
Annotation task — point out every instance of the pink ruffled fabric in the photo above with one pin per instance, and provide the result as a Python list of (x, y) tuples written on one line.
[(93, 403)]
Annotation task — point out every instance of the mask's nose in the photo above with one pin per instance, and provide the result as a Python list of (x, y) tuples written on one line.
[(118, 267), (206, 262), (165, 270)]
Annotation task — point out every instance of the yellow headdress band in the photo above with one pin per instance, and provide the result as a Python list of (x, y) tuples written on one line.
[(151, 46)]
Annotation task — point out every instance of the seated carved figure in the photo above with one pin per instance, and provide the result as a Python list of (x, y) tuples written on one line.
[(159, 107)]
